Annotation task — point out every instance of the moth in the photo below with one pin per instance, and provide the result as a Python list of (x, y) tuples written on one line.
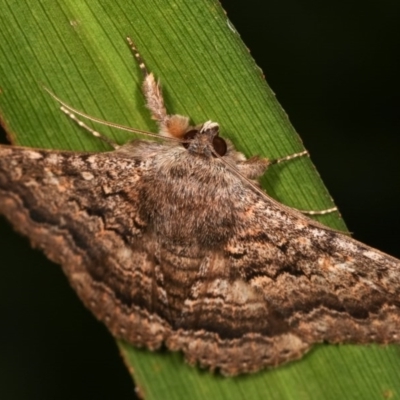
[(173, 243)]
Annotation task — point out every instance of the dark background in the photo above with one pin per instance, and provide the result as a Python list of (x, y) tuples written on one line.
[(334, 67)]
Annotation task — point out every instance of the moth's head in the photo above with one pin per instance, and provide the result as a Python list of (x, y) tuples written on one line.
[(201, 139), (205, 140)]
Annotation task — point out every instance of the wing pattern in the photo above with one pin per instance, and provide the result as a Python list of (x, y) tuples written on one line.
[(185, 253)]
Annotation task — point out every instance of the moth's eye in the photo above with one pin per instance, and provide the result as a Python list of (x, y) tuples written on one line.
[(189, 136), (219, 145)]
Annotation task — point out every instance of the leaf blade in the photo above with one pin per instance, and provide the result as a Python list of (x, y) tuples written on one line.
[(78, 50)]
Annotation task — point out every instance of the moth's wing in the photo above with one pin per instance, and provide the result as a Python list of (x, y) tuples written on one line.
[(276, 287), (281, 284), (82, 211)]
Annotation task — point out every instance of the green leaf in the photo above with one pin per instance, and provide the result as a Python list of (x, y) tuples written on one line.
[(78, 50)]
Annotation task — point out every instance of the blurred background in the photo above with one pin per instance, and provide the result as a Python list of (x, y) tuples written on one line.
[(334, 67)]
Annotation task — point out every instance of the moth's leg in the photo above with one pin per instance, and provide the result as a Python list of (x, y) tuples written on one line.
[(70, 112), (151, 88), (287, 158), (291, 157), (96, 134), (321, 212), (169, 125), (254, 167)]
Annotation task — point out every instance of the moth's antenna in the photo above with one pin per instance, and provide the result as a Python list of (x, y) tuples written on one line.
[(96, 134), (72, 111)]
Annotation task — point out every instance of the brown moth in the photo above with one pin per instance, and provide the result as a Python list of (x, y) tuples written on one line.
[(173, 243)]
